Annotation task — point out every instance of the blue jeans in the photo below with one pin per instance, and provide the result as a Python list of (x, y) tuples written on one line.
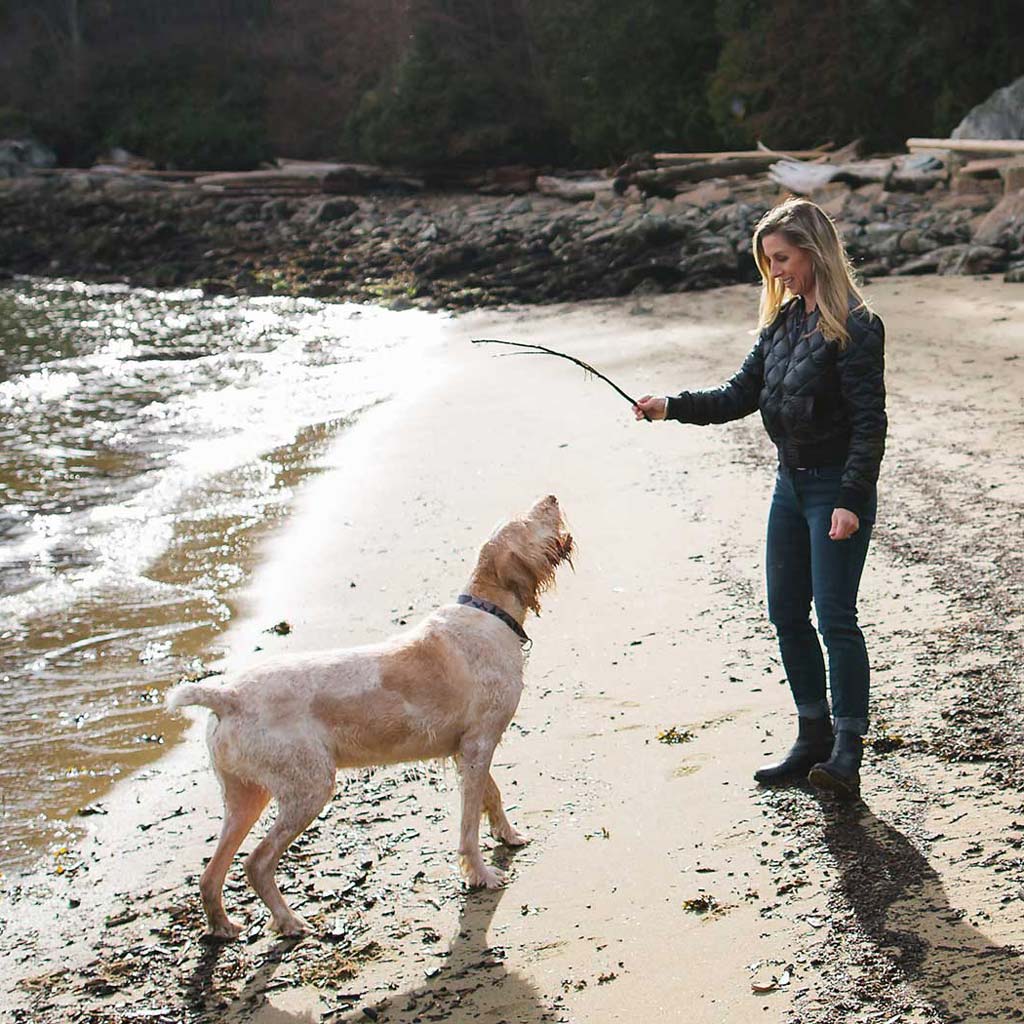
[(804, 563)]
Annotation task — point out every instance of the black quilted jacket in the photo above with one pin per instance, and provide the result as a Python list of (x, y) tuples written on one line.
[(821, 405)]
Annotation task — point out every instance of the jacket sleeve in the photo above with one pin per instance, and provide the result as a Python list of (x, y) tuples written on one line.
[(861, 368), (737, 398)]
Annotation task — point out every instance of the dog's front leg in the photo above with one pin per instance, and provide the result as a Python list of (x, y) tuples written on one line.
[(475, 763)]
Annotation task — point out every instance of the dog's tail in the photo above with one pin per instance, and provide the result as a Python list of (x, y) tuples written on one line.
[(219, 699)]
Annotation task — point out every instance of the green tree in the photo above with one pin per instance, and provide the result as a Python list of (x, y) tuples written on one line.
[(881, 70), (626, 77)]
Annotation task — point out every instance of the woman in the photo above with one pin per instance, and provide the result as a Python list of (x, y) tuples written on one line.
[(817, 375)]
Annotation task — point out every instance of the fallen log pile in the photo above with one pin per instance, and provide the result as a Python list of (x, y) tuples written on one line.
[(962, 165), (465, 236)]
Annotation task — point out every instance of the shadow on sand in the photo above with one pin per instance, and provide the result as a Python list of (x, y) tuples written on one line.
[(901, 904), (472, 985)]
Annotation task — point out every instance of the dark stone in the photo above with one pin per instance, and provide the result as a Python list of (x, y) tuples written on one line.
[(331, 210)]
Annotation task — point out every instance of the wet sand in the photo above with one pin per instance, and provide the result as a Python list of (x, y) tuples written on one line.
[(659, 882)]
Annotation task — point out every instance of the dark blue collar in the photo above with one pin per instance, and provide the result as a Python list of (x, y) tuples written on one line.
[(499, 613)]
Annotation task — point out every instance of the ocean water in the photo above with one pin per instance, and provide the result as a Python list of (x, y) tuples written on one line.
[(148, 441)]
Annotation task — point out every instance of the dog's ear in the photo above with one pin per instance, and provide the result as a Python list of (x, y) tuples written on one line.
[(515, 574)]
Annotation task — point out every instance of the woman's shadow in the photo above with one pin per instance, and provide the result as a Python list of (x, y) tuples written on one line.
[(901, 904)]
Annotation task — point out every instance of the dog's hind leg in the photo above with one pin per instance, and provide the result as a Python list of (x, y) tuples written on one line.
[(243, 804), (501, 827), (299, 801), (474, 760)]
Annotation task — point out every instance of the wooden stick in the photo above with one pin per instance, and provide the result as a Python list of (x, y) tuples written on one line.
[(543, 350), (969, 145)]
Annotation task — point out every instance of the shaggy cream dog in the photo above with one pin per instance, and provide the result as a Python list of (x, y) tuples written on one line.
[(446, 688)]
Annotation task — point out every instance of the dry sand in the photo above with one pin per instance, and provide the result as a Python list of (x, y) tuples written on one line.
[(660, 882)]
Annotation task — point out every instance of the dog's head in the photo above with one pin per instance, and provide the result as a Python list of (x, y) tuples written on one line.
[(522, 555)]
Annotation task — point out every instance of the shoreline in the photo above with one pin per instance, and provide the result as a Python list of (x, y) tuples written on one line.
[(464, 251), (146, 618), (658, 876)]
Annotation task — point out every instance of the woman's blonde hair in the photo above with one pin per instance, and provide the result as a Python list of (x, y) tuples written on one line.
[(807, 226)]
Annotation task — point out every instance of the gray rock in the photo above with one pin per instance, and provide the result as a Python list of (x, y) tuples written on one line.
[(656, 229), (276, 209), (520, 205), (970, 259), (876, 268), (720, 262), (239, 212), (334, 209), (879, 231), (19, 156), (914, 242), (928, 263), (1014, 274), (1001, 116), (1004, 224)]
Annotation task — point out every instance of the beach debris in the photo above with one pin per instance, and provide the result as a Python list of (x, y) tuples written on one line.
[(147, 825), (85, 812), (544, 350), (281, 628), (42, 982), (601, 833), (702, 904), (886, 743), (150, 737), (775, 983), (120, 918), (674, 735), (603, 979)]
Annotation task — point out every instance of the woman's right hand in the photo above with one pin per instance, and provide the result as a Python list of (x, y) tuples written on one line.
[(650, 408)]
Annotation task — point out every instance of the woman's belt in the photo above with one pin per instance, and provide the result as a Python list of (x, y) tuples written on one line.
[(796, 455)]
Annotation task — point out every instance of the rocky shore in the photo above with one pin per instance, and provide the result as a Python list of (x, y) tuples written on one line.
[(460, 249)]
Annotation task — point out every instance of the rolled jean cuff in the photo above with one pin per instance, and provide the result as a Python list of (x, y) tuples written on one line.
[(819, 709), (858, 726)]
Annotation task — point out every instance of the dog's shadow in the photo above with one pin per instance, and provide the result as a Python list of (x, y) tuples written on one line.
[(901, 904), (472, 984)]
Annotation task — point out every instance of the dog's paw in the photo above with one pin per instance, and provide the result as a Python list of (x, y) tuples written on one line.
[(226, 931), (510, 837), (484, 877), (291, 926)]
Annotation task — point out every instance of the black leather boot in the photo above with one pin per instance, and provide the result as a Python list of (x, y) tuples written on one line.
[(813, 744), (840, 774)]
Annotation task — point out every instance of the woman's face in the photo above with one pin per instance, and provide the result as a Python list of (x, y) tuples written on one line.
[(789, 264)]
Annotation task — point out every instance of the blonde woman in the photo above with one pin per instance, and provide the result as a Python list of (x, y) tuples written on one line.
[(816, 374)]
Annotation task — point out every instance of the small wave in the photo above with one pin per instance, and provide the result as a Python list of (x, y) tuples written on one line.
[(37, 388)]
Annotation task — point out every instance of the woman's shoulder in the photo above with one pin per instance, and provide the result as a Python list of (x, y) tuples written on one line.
[(861, 320)]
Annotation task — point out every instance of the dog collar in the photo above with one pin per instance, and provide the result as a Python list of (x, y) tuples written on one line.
[(498, 613)]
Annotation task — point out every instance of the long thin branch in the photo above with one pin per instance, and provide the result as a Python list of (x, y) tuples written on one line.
[(543, 349)]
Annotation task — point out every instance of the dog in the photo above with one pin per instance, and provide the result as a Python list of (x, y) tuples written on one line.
[(448, 687)]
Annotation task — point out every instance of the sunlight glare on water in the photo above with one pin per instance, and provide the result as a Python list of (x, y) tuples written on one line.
[(147, 440)]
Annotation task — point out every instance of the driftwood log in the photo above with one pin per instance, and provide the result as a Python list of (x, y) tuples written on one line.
[(916, 172), (316, 176), (575, 189), (990, 146), (764, 155)]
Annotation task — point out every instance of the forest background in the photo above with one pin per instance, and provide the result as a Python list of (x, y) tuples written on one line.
[(210, 84)]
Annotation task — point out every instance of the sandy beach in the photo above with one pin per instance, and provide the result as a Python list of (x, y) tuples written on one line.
[(660, 882)]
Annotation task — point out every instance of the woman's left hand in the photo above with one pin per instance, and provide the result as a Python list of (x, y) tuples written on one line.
[(844, 524)]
